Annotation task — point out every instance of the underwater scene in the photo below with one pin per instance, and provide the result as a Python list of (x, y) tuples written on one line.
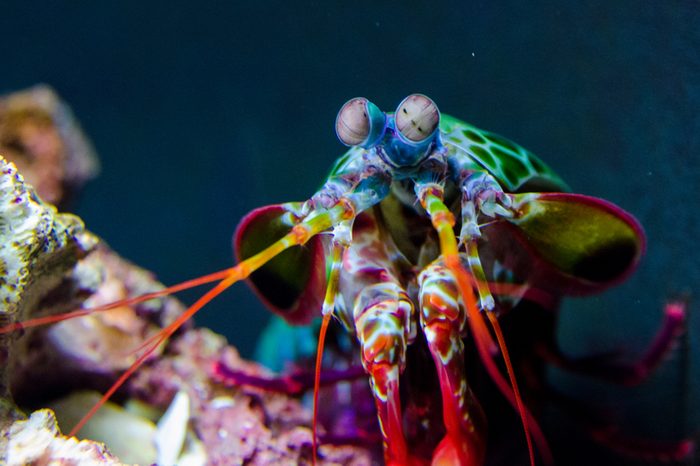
[(467, 231)]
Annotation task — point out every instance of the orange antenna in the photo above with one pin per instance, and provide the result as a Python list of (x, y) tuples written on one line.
[(52, 319), (483, 341), (336, 262), (317, 384), (161, 336), (514, 384)]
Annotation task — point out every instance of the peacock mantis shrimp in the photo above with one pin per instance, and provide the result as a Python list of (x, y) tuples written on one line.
[(425, 233)]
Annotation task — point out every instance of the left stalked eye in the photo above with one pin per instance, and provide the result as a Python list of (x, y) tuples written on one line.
[(359, 123), (417, 117)]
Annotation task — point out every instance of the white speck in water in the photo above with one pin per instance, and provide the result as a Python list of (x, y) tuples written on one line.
[(473, 54), (650, 172)]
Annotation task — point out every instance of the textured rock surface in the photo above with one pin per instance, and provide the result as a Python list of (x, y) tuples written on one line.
[(37, 441), (40, 136), (37, 246), (238, 425)]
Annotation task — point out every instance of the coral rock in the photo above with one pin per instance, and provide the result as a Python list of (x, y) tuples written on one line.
[(37, 247), (39, 134), (38, 441)]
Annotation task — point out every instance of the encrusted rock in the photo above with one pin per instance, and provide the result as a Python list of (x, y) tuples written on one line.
[(40, 135), (89, 352), (37, 247), (237, 425), (38, 441)]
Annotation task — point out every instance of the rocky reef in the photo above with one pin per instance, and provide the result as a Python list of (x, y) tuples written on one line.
[(173, 410), (39, 134)]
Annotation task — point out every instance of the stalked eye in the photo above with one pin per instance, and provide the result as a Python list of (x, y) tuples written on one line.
[(360, 123), (417, 117)]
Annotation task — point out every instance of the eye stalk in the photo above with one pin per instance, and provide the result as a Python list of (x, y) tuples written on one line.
[(417, 118), (360, 123)]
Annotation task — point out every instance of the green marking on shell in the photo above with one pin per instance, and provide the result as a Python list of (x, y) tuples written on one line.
[(503, 142), (511, 164), (485, 157), (473, 136)]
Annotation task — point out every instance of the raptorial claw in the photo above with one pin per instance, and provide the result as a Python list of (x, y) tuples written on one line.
[(493, 209), (482, 195), (483, 189)]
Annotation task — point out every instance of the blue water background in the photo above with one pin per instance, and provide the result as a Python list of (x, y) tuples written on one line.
[(201, 113)]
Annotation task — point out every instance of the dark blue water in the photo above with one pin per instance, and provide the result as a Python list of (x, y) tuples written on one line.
[(202, 113)]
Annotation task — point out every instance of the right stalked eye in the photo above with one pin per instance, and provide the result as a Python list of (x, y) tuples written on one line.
[(417, 118), (360, 123)]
